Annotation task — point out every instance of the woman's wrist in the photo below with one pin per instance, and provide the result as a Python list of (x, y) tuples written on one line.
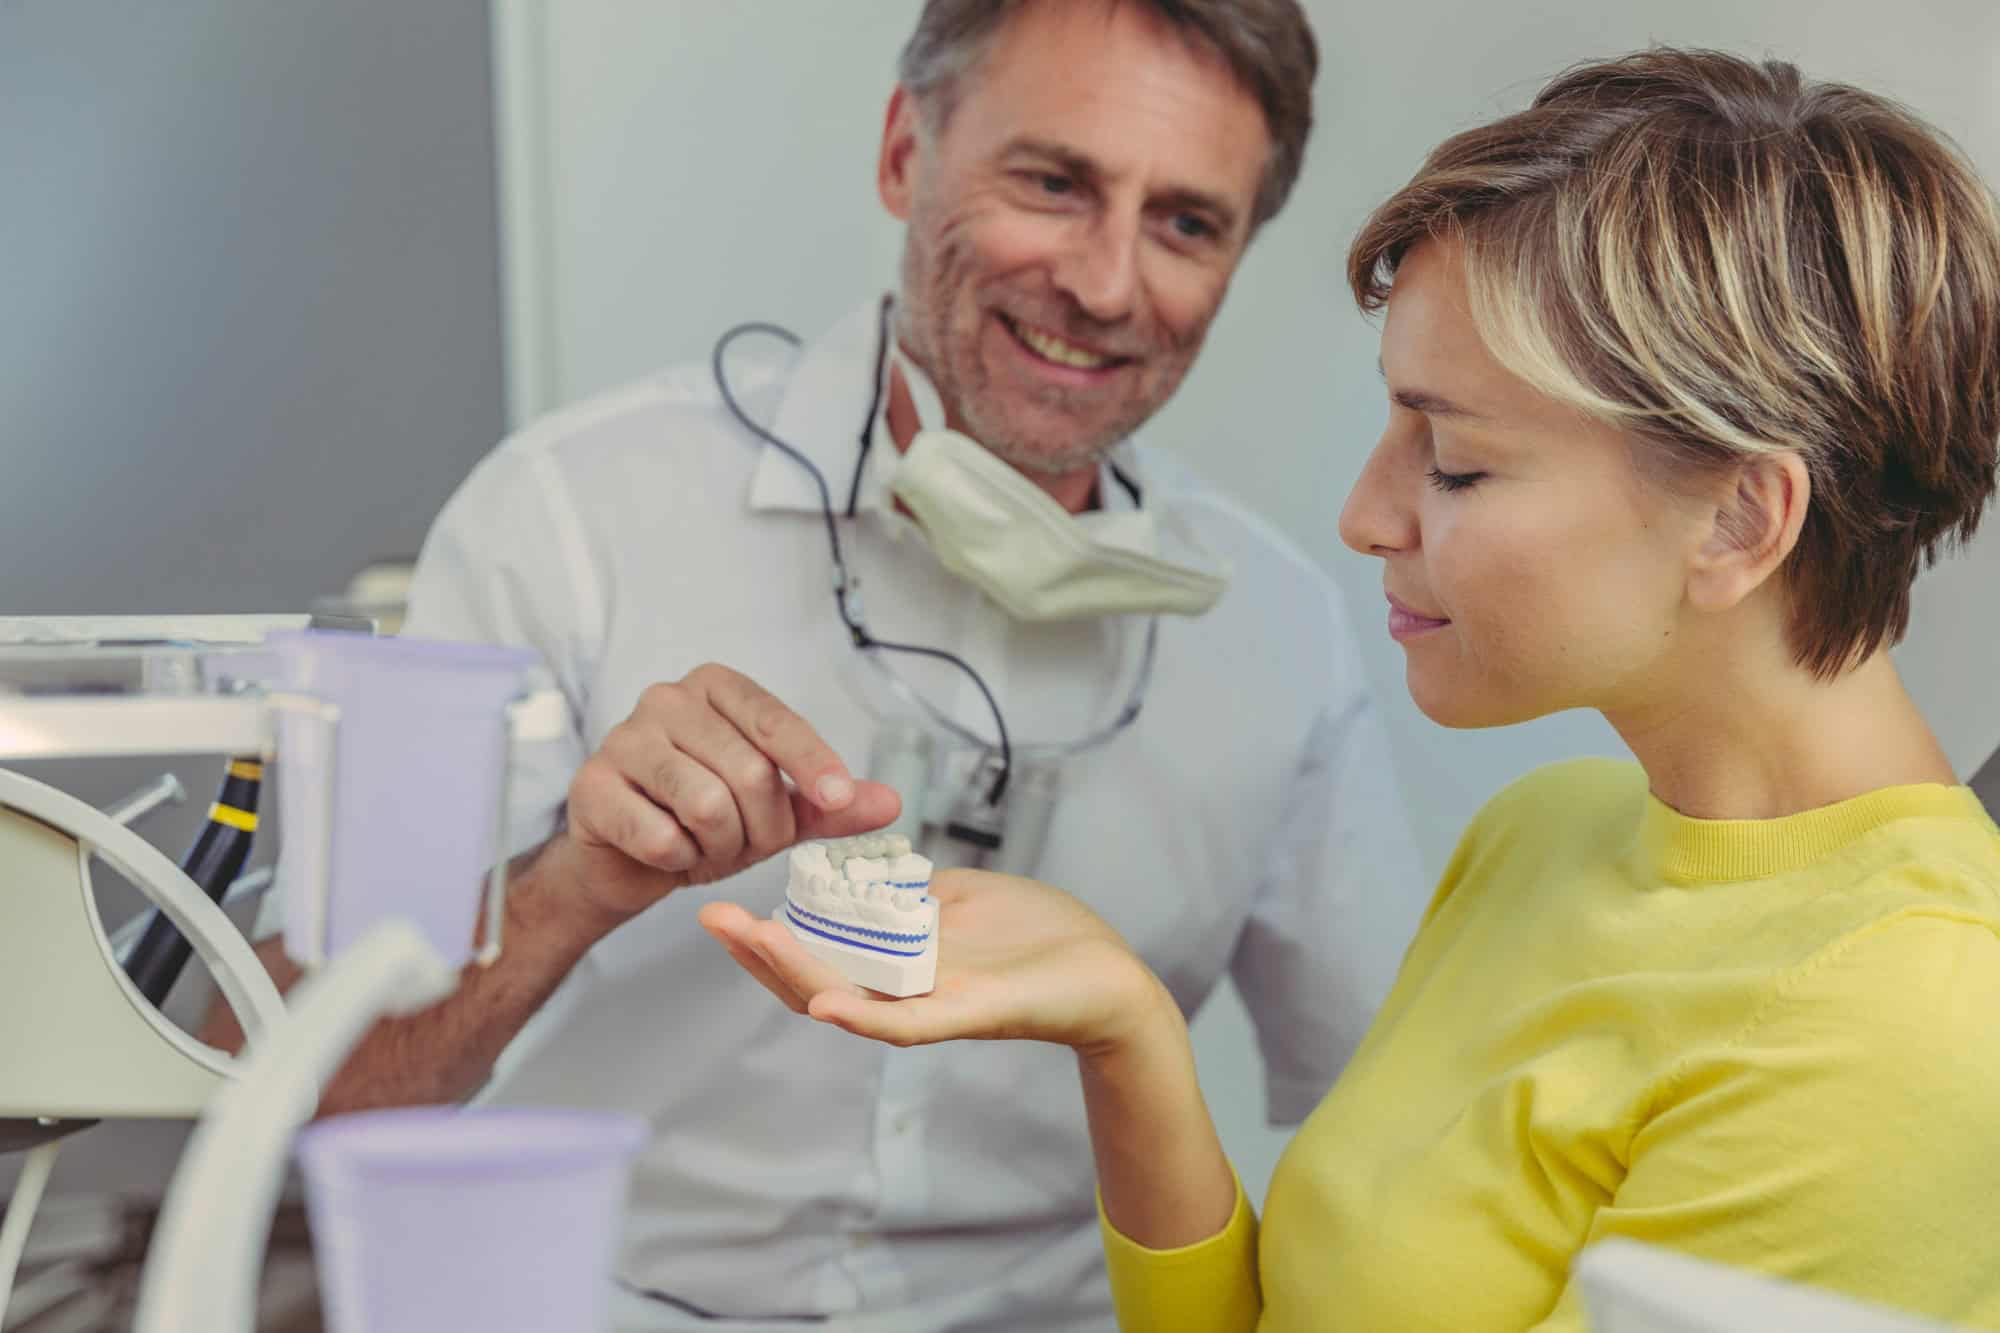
[(1161, 1172), (1146, 1022)]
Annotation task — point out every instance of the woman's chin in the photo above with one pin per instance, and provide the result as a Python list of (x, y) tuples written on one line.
[(1464, 706)]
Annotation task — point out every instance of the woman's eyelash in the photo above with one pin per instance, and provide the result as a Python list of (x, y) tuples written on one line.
[(1454, 481)]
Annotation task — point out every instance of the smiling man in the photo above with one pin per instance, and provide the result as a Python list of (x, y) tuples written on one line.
[(1188, 739), (1071, 236)]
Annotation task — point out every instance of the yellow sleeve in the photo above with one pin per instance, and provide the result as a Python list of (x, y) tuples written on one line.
[(1207, 1287), (1846, 1138)]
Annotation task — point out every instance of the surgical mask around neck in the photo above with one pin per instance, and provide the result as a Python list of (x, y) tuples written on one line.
[(995, 528)]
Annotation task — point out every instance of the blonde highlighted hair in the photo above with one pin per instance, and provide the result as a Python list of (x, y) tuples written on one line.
[(1723, 260)]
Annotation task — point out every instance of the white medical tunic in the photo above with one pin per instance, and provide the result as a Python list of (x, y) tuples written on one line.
[(1247, 822)]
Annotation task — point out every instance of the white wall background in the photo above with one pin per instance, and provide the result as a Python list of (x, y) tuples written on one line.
[(675, 166), (249, 334)]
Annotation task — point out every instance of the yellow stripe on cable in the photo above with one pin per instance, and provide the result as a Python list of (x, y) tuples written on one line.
[(230, 815)]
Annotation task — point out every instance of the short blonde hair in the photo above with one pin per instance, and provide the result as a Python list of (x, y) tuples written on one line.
[(1722, 259)]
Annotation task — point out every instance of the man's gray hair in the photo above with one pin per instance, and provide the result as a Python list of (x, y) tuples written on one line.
[(1268, 45)]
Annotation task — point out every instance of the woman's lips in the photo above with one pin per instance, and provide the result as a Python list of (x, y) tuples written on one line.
[(1405, 623)]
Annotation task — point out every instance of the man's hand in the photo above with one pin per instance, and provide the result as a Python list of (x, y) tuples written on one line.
[(706, 777)]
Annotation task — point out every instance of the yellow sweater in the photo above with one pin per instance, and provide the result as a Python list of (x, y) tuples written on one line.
[(1771, 1043)]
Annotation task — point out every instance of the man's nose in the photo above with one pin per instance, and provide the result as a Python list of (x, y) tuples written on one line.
[(1100, 268)]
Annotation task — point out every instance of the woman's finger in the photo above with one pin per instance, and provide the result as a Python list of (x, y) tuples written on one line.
[(729, 924), (917, 1021), (795, 964)]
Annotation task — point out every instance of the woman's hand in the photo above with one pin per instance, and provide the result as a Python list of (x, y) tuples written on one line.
[(1017, 959)]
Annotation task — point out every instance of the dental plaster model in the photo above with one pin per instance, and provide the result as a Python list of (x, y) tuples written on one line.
[(862, 906)]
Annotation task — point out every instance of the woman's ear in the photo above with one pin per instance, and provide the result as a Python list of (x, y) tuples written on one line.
[(1756, 517)]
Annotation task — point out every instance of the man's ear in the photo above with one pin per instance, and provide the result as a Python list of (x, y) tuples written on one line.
[(1755, 519), (895, 169)]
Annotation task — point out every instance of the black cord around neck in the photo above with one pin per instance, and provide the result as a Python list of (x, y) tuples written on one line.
[(845, 593)]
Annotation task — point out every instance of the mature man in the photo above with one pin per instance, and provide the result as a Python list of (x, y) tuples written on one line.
[(1079, 181)]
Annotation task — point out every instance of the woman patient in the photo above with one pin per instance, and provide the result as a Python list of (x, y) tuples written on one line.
[(1692, 367)]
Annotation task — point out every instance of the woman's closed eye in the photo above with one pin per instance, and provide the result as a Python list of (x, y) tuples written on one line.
[(1454, 481)]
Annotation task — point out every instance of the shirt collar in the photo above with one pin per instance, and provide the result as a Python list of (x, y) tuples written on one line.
[(820, 416)]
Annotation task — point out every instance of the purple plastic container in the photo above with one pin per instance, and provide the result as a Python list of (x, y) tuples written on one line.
[(419, 757), (436, 1220)]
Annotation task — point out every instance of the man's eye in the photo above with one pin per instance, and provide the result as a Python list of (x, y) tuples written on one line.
[(1052, 183), (1193, 227)]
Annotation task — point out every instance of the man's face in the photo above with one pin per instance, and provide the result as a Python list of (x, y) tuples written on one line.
[(1073, 226)]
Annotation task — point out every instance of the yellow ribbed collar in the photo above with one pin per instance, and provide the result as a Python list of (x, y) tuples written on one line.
[(1696, 851)]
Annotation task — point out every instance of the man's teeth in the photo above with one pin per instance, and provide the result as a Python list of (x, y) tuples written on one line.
[(1054, 349)]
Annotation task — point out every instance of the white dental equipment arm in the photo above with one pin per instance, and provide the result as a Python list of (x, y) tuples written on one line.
[(207, 1256)]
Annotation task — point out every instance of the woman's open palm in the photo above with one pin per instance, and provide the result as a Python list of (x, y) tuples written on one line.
[(1017, 959)]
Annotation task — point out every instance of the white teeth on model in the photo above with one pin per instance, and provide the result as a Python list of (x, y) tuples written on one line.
[(873, 880), (866, 846), (1051, 348)]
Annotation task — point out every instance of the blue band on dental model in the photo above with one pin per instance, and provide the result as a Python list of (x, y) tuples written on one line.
[(889, 935), (794, 914)]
